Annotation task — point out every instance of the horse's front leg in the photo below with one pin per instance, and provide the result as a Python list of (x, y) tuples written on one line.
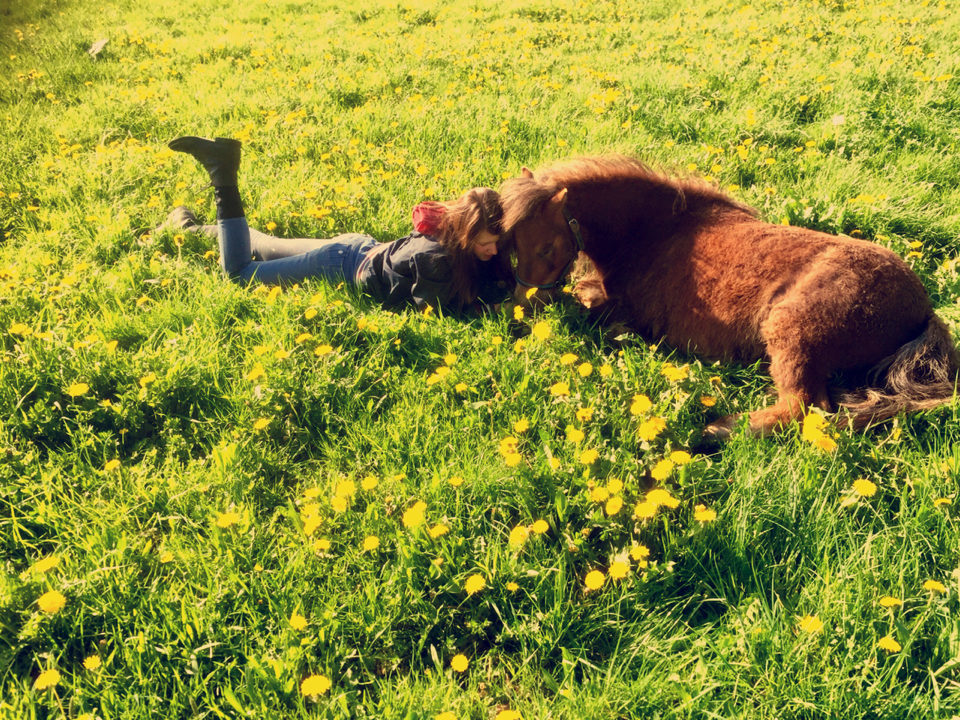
[(800, 379)]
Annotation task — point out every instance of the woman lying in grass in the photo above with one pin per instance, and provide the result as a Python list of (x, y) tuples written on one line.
[(450, 260)]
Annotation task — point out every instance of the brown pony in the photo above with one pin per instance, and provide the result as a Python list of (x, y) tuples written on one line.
[(679, 260)]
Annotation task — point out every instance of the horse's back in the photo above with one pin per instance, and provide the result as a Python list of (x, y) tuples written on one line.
[(712, 288)]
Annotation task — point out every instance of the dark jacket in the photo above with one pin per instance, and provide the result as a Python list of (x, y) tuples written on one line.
[(417, 269)]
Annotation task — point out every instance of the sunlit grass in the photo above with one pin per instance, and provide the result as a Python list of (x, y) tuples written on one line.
[(221, 501)]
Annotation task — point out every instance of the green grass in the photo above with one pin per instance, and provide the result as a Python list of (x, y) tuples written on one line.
[(834, 115)]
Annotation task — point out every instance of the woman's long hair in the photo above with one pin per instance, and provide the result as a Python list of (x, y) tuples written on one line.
[(465, 218)]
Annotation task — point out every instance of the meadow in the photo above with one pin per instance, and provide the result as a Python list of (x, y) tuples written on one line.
[(219, 501)]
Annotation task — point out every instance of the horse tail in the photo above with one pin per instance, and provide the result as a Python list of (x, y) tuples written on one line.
[(921, 374)]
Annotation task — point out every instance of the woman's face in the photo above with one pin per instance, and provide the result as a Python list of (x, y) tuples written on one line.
[(485, 245)]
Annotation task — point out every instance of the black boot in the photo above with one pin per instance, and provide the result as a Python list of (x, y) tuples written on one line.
[(221, 159), (220, 156)]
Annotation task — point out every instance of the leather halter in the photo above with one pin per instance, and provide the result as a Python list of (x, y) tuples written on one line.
[(576, 240)]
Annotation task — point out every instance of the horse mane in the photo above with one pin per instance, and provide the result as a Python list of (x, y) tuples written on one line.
[(523, 197)]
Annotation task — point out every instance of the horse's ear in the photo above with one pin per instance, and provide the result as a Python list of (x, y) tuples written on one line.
[(559, 198), (525, 172)]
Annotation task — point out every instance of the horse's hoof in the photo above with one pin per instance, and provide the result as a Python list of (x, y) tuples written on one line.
[(722, 429)]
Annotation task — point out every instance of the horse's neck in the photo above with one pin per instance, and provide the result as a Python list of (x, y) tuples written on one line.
[(620, 219)]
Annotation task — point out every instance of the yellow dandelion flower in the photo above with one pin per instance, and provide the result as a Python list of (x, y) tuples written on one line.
[(315, 685), (681, 458), (225, 520), (512, 460), (255, 373), (521, 426), (513, 586), (303, 338), (574, 434), (260, 424), (638, 552), (455, 481), (339, 504), (371, 543), (51, 602), (618, 570), (518, 312), (21, 329), (599, 494), (810, 624), (459, 663), (640, 405), (440, 529), (589, 456), (518, 536), (47, 679), (507, 714), (560, 388), (934, 586), (645, 510), (703, 514), (45, 564), (461, 387), (941, 502), (369, 483), (812, 420), (77, 389), (539, 527), (415, 515), (584, 370), (322, 545), (298, 622), (888, 643), (450, 358), (614, 485), (594, 580), (541, 330), (613, 506), (111, 465), (475, 584), (708, 401), (865, 488), (825, 443), (92, 663), (890, 601), (606, 370), (347, 489), (584, 414), (568, 359), (662, 497), (323, 349), (651, 428), (166, 557), (674, 374), (662, 470)]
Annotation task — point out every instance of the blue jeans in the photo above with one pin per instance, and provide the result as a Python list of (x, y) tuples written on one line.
[(288, 260)]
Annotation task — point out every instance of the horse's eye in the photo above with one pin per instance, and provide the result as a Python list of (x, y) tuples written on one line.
[(545, 252)]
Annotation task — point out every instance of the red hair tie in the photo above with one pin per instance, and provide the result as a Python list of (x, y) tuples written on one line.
[(427, 217)]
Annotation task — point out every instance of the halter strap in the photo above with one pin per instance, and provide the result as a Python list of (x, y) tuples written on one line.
[(576, 240)]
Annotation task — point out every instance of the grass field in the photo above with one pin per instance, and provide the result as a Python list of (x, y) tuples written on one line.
[(218, 501)]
